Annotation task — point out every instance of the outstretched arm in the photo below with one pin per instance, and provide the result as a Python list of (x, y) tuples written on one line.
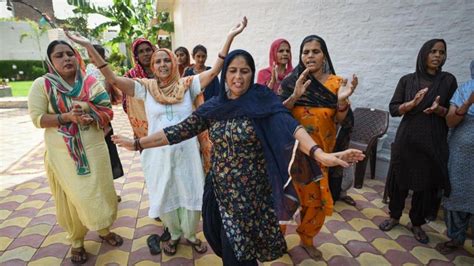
[(188, 128), (343, 158), (157, 139), (124, 84), (207, 76)]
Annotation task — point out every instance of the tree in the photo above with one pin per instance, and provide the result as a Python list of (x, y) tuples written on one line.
[(35, 34), (140, 20)]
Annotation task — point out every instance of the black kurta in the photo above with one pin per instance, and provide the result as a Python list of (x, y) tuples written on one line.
[(420, 151)]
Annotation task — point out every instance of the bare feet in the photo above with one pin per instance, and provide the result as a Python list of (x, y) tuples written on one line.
[(313, 252)]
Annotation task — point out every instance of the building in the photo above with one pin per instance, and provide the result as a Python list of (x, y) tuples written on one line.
[(377, 40)]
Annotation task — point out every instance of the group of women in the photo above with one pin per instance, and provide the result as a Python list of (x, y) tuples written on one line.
[(269, 158)]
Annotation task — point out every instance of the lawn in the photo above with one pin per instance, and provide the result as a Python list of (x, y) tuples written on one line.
[(20, 88)]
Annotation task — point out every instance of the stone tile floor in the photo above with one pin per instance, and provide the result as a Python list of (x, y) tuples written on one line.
[(29, 234)]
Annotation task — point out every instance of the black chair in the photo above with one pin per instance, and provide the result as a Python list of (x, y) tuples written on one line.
[(369, 125)]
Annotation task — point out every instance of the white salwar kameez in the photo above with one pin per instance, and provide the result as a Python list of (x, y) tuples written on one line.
[(174, 174)]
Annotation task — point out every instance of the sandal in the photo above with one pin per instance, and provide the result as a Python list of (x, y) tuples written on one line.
[(313, 253), (113, 239), (420, 235), (170, 247), (388, 224), (153, 242), (447, 247), (349, 200), (166, 235), (198, 246), (78, 255)]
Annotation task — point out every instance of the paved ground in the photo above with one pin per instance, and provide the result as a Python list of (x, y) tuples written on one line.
[(29, 233)]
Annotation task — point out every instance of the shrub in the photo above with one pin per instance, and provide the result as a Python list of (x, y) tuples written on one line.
[(31, 69)]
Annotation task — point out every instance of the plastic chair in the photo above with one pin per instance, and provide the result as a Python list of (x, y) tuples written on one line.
[(369, 125)]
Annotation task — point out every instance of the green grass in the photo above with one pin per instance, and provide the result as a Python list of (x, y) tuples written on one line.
[(20, 88)]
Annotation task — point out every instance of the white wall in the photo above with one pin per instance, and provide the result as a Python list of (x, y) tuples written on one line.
[(12, 49), (378, 40)]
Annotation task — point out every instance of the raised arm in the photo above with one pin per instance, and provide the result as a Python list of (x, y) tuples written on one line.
[(126, 85), (343, 103), (310, 148), (207, 76), (300, 87), (190, 127)]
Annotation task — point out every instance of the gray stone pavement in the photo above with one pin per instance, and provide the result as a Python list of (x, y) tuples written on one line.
[(18, 137)]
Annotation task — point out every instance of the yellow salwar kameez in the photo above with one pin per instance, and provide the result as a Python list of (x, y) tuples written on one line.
[(83, 202)]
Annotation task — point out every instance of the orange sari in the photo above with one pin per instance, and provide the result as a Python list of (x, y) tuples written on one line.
[(315, 197)]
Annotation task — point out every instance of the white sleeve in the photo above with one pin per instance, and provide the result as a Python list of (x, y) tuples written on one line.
[(195, 88), (140, 91)]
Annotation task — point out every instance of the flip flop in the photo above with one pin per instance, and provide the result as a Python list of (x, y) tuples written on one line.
[(166, 235), (78, 252), (388, 224), (198, 246), (170, 247), (153, 242), (349, 200), (113, 239), (420, 235), (447, 247)]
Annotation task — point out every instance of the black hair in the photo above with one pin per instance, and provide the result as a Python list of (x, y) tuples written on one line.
[(100, 50), (324, 49), (53, 44), (182, 49), (198, 48)]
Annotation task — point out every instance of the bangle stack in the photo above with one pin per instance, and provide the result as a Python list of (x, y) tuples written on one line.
[(313, 150), (344, 107), (137, 146), (60, 120), (221, 56)]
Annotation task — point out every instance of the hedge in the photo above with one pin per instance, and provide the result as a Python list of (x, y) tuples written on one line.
[(31, 69)]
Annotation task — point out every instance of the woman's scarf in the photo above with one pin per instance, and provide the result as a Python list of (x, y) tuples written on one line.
[(138, 71), (316, 95), (265, 74), (438, 83), (172, 89), (135, 108), (62, 95), (270, 120)]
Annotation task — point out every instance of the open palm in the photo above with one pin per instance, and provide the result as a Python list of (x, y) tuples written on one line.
[(77, 38), (347, 88), (239, 27)]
